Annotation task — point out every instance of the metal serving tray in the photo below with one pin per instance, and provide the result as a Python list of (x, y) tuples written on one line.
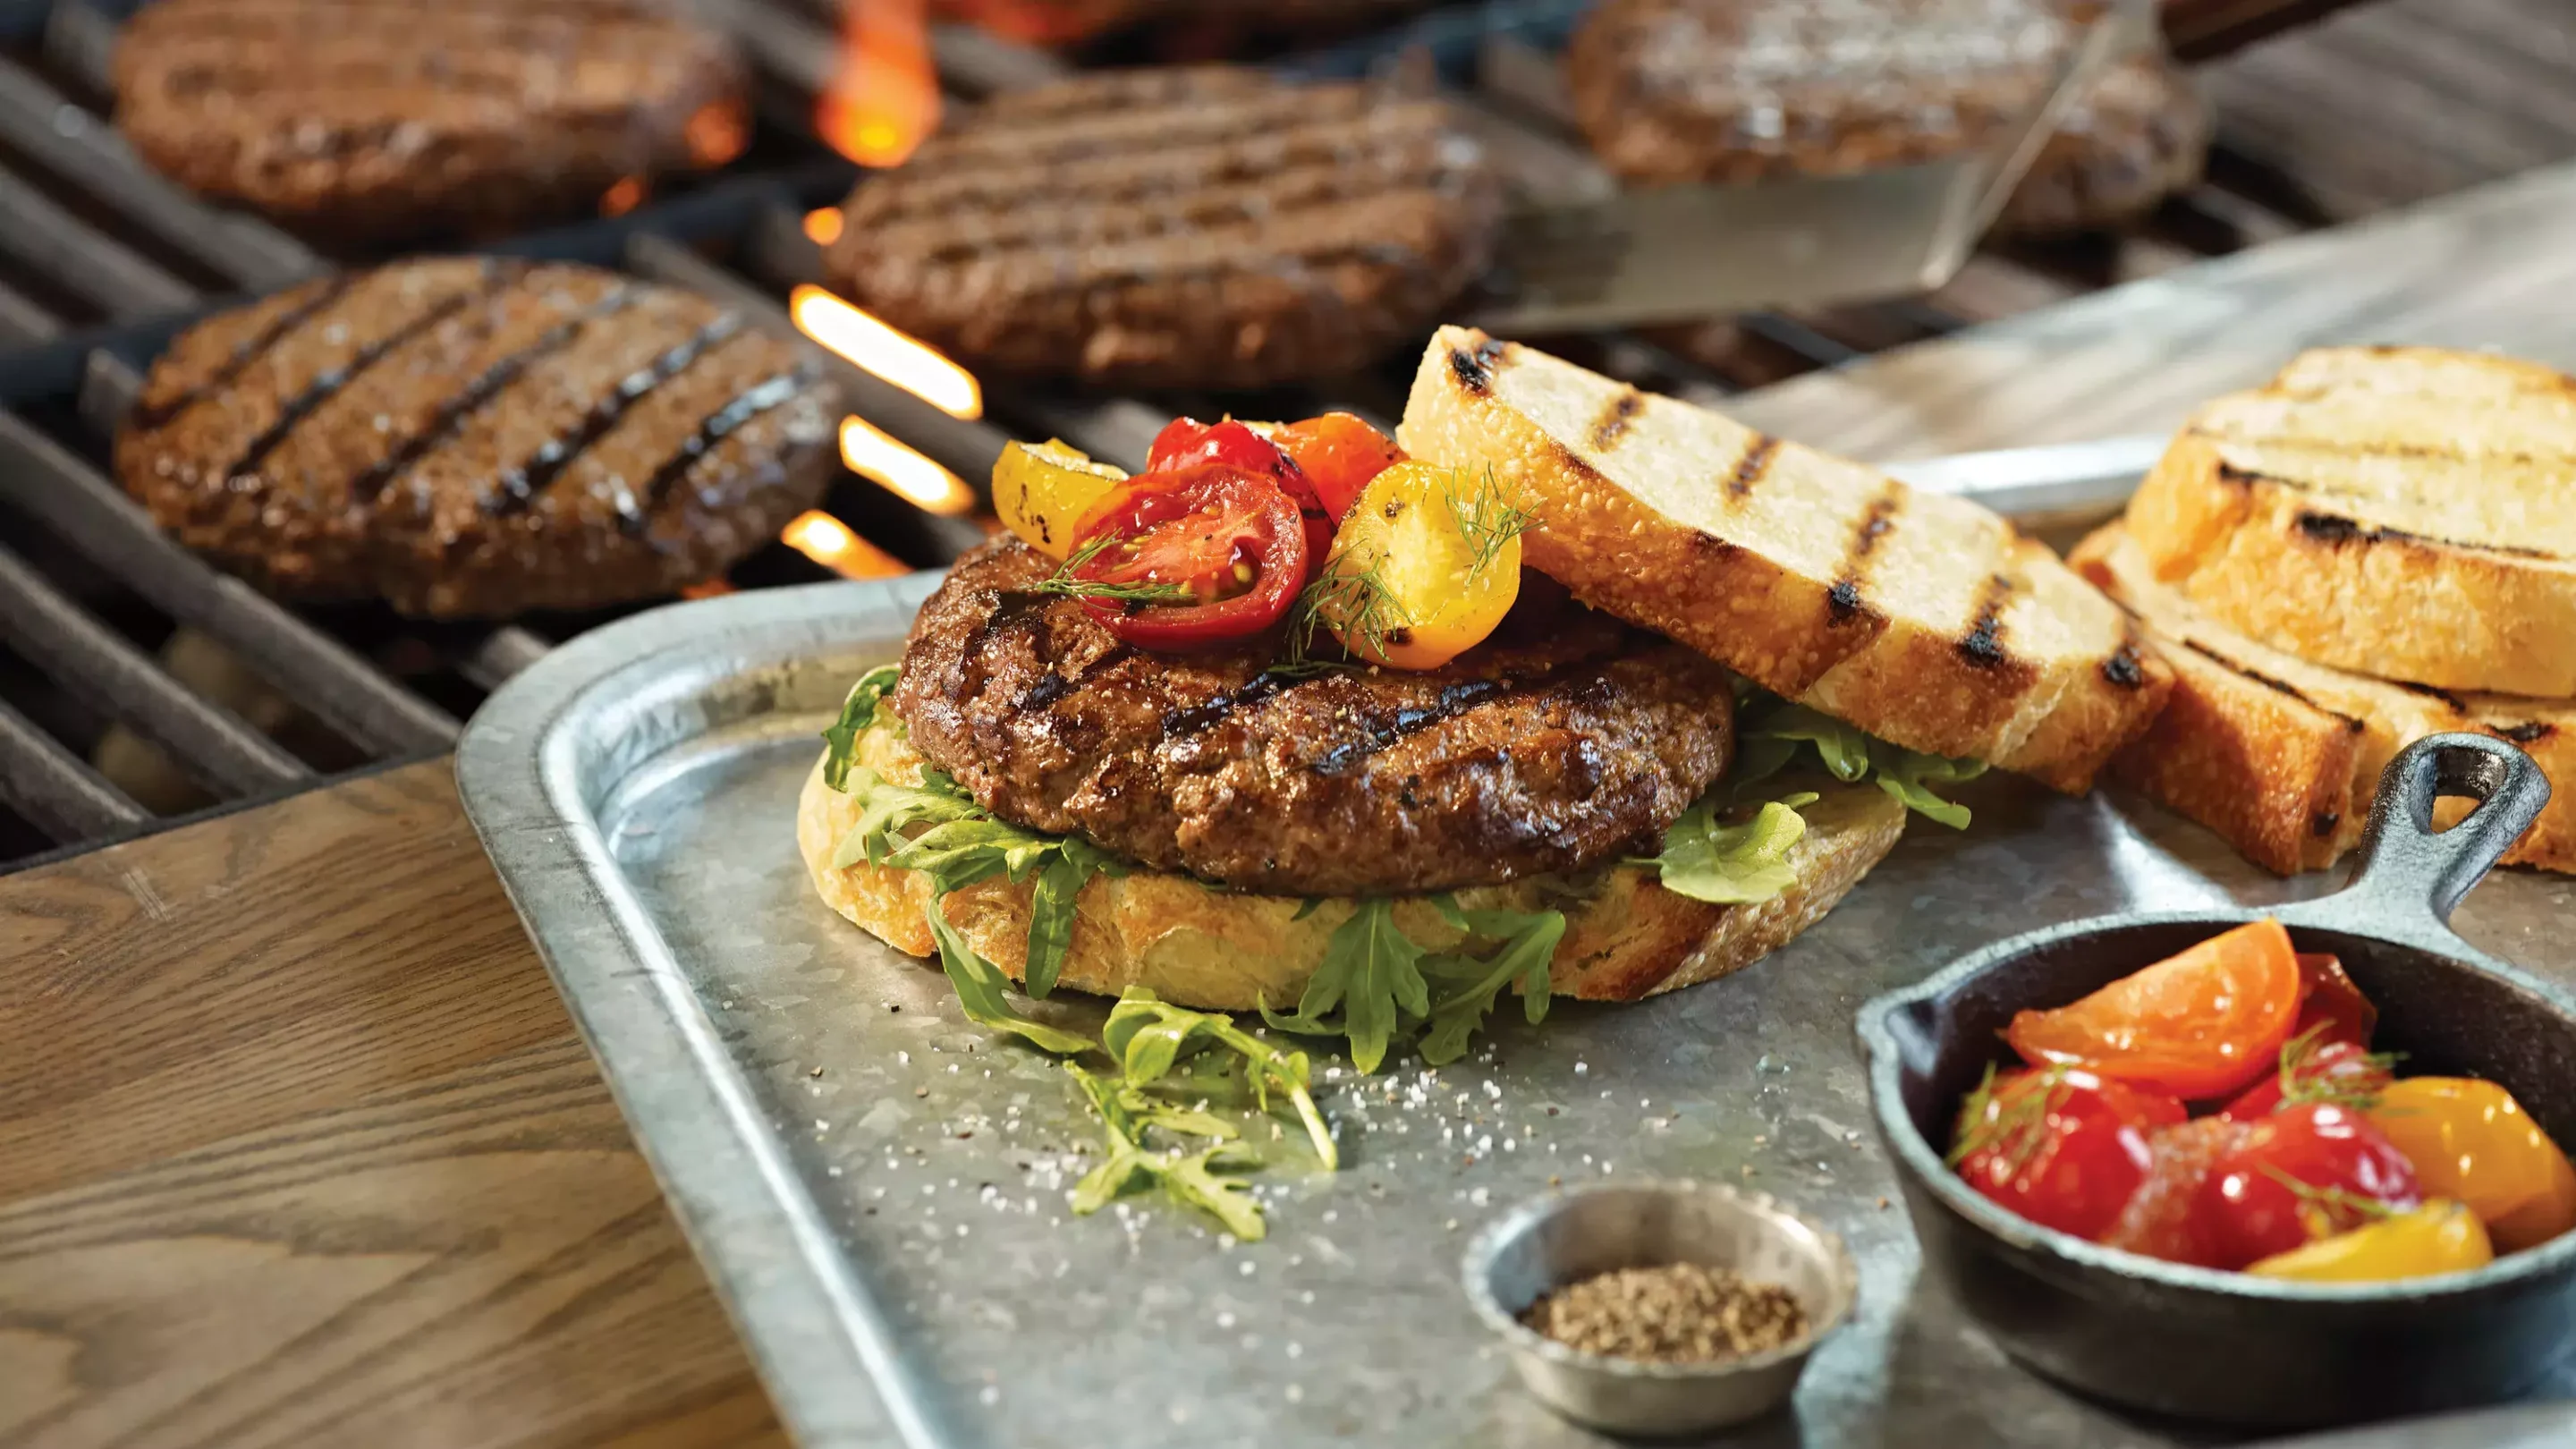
[(877, 1186)]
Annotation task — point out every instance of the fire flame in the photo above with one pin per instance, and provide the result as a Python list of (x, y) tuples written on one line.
[(895, 356), (829, 542), (823, 225), (884, 97), (717, 133), (921, 481)]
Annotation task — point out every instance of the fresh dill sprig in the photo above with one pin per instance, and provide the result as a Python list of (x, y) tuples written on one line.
[(1487, 519), (1064, 583), (1355, 605)]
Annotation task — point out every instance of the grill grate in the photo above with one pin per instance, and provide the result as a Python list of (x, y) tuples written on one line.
[(107, 627)]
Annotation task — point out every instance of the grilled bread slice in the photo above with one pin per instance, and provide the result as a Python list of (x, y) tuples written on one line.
[(1919, 617), (2404, 511), (2282, 756), (1626, 936)]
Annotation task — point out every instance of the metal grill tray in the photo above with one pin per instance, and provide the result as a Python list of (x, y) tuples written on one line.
[(877, 1185)]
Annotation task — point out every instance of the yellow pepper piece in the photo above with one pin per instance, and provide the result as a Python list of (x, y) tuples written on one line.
[(1041, 490), (2439, 1237), (2470, 1140), (1427, 563)]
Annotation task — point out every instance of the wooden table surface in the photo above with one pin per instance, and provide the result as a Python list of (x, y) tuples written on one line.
[(297, 1145)]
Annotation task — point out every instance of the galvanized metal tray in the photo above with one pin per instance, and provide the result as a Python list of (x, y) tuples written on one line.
[(877, 1186)]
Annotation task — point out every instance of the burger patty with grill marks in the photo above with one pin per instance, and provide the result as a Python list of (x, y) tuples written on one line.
[(1561, 742)]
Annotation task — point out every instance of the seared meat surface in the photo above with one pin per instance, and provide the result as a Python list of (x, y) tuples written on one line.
[(1559, 743)]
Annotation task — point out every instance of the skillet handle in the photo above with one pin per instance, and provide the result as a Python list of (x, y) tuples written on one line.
[(2404, 866)]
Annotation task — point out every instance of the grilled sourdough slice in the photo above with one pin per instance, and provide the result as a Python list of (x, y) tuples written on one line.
[(2408, 512), (1919, 617), (2281, 756), (1626, 936)]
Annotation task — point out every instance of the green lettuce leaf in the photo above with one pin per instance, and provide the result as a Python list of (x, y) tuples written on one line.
[(1843, 749), (1051, 907), (1732, 864), (1149, 1036), (887, 809), (1186, 1178), (1372, 972), (858, 712), (1908, 775), (1849, 754), (979, 984)]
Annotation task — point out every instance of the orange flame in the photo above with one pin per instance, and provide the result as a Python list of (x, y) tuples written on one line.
[(625, 196), (829, 542), (717, 133), (909, 475), (896, 356), (823, 225), (884, 97)]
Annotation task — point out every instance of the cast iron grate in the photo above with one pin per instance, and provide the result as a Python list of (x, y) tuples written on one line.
[(138, 686)]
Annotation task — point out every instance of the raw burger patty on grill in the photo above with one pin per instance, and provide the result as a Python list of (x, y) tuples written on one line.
[(375, 120), (473, 437), (1199, 226), (1742, 90), (1556, 745)]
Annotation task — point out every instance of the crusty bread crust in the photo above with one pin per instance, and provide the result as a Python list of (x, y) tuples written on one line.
[(2399, 511), (1920, 617), (1626, 936), (2282, 756)]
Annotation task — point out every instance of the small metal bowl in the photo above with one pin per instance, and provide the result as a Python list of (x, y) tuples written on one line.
[(2200, 1344), (1566, 1237)]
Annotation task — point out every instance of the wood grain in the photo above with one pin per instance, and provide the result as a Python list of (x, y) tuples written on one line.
[(2492, 267), (297, 1147)]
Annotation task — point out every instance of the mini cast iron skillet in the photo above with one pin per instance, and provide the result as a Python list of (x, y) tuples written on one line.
[(2210, 1345)]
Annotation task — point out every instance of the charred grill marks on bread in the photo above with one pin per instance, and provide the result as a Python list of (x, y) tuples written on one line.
[(1551, 752), (1192, 226), (470, 438)]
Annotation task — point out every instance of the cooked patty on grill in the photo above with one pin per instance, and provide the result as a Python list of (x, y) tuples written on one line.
[(1204, 227), (375, 120), (1741, 90), (1551, 747), (475, 437), (2135, 134)]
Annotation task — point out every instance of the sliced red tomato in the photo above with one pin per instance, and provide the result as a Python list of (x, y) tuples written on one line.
[(2162, 1218), (1187, 442), (2199, 1025), (1339, 454), (2306, 1172), (1190, 557), (2333, 1002), (2334, 1071), (2061, 1147)]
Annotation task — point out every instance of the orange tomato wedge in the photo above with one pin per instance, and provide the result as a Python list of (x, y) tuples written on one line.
[(2470, 1140), (2199, 1025), (2439, 1237)]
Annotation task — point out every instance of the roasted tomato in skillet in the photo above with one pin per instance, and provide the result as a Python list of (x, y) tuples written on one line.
[(2333, 1003), (2315, 1070), (2306, 1172), (1187, 443), (2202, 1024), (1339, 454), (2060, 1146), (2470, 1140), (1190, 557)]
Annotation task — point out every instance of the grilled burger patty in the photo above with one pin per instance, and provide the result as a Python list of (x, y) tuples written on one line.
[(1203, 227), (372, 120), (1552, 747), (475, 437)]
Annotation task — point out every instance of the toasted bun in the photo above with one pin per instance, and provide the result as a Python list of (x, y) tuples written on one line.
[(2401, 511), (1921, 618), (1626, 936), (2282, 756)]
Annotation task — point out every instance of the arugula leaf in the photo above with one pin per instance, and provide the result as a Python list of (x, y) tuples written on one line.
[(1470, 986), (1149, 1035), (1051, 911), (1732, 865), (858, 713), (1843, 749), (887, 809), (1372, 971), (1908, 774), (979, 990), (1186, 1178)]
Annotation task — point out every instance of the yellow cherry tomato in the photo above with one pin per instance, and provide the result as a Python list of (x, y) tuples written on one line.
[(2439, 1237), (1427, 563), (2470, 1140), (1042, 489)]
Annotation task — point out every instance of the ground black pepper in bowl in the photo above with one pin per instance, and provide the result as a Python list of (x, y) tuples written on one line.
[(1676, 1313)]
